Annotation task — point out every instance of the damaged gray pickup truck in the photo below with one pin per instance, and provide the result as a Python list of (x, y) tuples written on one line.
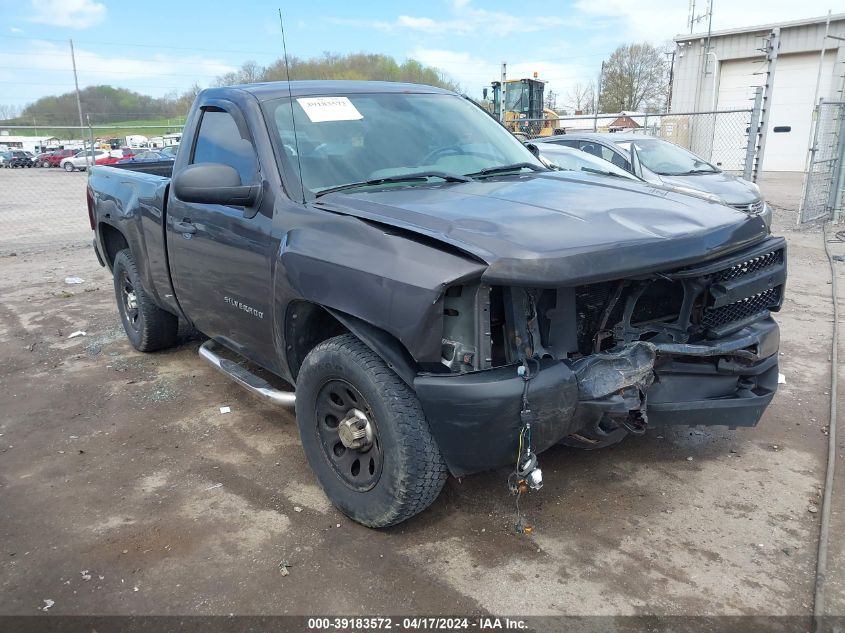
[(442, 302)]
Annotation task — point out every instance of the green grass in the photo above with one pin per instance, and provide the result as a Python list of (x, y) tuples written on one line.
[(122, 129)]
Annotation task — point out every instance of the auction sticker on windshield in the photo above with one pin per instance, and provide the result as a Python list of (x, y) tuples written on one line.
[(320, 109)]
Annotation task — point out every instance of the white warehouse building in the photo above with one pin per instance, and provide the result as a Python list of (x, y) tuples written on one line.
[(723, 76)]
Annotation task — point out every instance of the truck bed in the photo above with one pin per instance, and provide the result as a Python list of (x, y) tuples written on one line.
[(157, 168), (133, 201)]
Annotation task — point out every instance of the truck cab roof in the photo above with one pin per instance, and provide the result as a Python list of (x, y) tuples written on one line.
[(280, 89)]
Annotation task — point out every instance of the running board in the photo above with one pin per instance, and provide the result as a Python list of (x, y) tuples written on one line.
[(245, 378)]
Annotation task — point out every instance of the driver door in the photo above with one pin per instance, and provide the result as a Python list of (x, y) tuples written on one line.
[(220, 255)]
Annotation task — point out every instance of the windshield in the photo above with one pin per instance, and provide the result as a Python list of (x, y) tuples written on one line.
[(343, 140), (516, 97), (667, 159), (576, 160)]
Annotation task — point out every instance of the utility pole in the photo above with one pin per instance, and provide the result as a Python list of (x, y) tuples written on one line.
[(596, 102), (78, 101), (503, 92), (668, 107)]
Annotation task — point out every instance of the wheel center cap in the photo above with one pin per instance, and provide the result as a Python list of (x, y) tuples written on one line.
[(131, 301), (355, 430)]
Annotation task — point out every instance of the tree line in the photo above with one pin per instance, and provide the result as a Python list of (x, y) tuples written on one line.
[(107, 104), (633, 78)]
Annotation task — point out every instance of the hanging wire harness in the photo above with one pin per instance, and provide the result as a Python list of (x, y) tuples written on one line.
[(526, 474)]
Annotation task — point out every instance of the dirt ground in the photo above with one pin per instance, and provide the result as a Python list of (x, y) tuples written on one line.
[(124, 490)]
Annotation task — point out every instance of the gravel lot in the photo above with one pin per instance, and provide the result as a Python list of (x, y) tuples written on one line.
[(124, 490)]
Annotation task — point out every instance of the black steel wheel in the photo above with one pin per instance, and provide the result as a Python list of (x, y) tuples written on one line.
[(348, 434), (129, 300), (365, 435), (148, 327)]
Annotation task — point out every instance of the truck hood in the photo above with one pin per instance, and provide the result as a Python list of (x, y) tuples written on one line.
[(731, 189), (556, 229)]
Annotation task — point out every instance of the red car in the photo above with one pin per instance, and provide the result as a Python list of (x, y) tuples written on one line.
[(115, 155), (52, 159)]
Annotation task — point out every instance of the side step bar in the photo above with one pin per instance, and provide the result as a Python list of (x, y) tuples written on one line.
[(244, 377)]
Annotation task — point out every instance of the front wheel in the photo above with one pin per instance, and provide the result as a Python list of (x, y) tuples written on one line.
[(148, 327), (365, 435), (69, 167)]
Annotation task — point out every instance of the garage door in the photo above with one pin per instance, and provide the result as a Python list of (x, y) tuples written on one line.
[(792, 102)]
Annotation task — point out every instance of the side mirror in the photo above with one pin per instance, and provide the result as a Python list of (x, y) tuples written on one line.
[(533, 149), (214, 183)]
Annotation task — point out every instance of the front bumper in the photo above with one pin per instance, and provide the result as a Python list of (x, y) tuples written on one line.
[(728, 382)]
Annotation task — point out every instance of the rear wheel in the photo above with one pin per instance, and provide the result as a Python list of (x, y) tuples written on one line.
[(365, 435), (45, 164), (148, 327)]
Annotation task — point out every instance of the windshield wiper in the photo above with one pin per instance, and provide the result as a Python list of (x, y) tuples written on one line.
[(489, 171), (601, 172), (420, 176), (698, 171)]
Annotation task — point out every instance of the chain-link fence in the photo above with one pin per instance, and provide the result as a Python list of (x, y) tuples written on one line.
[(43, 180), (825, 179), (720, 138)]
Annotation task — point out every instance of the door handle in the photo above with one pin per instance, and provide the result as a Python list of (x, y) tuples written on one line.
[(184, 227)]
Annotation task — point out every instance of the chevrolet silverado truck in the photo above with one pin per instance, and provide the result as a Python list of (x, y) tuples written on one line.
[(439, 300)]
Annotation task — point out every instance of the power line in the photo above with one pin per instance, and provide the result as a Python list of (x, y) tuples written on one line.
[(101, 72), (125, 44)]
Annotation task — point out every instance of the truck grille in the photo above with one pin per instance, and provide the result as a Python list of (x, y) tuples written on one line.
[(706, 300), (772, 258), (742, 309), (749, 207)]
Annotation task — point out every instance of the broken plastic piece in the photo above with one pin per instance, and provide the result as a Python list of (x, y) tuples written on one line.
[(781, 379), (74, 280), (77, 333), (225, 409)]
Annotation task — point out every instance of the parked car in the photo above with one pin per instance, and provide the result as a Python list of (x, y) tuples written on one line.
[(442, 304), (54, 158), (15, 158), (566, 158), (40, 159), (170, 150), (146, 156), (115, 156), (82, 160), (664, 163)]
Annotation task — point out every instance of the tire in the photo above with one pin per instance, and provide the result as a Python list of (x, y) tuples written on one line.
[(409, 471), (605, 433), (148, 327), (68, 167), (45, 164)]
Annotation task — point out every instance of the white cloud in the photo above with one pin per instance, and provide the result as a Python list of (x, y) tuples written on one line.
[(15, 29), (658, 20), (464, 19), (46, 63), (73, 14)]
